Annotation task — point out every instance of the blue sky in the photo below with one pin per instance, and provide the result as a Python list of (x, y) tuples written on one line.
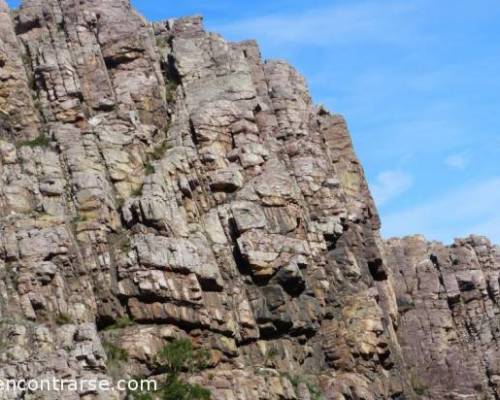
[(417, 80)]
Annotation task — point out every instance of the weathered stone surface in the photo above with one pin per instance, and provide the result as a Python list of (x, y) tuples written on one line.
[(19, 118), (181, 184), (447, 300)]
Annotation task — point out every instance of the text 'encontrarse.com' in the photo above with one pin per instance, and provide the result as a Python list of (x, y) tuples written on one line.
[(77, 385)]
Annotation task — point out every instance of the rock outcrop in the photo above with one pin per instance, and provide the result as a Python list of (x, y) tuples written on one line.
[(448, 302), (160, 175)]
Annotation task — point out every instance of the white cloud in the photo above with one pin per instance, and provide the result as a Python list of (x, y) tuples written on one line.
[(386, 21), (457, 161), (470, 209), (389, 185)]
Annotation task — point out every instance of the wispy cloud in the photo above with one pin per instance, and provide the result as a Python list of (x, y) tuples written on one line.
[(471, 209), (457, 161), (389, 185), (417, 83), (368, 21)]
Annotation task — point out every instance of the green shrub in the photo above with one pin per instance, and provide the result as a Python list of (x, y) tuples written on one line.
[(121, 323), (177, 357), (80, 218), (126, 246), (63, 319), (314, 390), (12, 275), (418, 386), (161, 42), (178, 390), (272, 353), (40, 141), (149, 169), (119, 202), (159, 151), (139, 396), (114, 353), (170, 90)]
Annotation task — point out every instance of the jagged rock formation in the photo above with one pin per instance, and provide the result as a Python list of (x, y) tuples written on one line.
[(448, 301), (159, 174)]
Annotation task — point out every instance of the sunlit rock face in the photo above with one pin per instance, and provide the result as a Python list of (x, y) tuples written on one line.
[(160, 175)]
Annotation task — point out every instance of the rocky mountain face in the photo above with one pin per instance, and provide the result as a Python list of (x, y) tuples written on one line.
[(158, 182)]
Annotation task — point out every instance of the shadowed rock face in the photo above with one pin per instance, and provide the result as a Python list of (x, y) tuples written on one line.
[(158, 173)]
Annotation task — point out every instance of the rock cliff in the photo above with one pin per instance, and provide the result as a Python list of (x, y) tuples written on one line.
[(159, 183)]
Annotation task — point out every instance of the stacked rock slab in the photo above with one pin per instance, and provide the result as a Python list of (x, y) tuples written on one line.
[(448, 301), (160, 175)]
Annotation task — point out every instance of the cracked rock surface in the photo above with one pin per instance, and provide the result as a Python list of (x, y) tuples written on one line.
[(158, 174)]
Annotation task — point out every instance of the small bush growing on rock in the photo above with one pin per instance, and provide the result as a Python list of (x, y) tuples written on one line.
[(139, 396), (116, 358), (40, 141), (121, 323), (149, 169), (126, 246), (119, 202), (314, 390), (12, 275), (174, 359), (161, 42), (170, 91), (3, 344), (114, 353), (63, 319), (80, 218), (270, 355), (178, 390), (180, 355), (418, 387), (159, 150)]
